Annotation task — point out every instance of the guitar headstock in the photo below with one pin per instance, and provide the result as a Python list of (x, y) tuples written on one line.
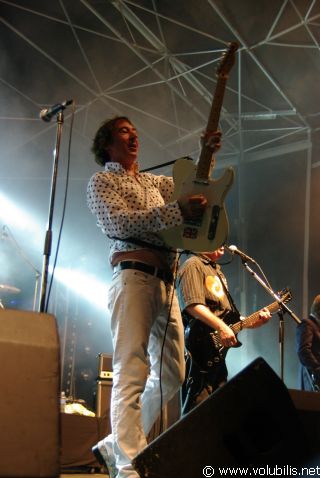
[(227, 60), (285, 295)]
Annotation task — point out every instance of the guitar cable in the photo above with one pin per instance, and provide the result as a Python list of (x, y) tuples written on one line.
[(175, 271)]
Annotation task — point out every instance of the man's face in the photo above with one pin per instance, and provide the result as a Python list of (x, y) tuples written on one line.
[(215, 255), (125, 143)]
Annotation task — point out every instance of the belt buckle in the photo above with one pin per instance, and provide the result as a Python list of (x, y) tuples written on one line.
[(117, 268)]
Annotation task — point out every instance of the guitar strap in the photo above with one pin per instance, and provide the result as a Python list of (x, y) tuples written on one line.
[(225, 288), (140, 242), (223, 281)]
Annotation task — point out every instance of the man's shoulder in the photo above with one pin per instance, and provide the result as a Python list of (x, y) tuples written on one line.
[(103, 176), (191, 259), (192, 262), (148, 176), (157, 178), (308, 322)]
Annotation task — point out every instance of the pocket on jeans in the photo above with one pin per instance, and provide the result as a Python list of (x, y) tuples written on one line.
[(141, 277)]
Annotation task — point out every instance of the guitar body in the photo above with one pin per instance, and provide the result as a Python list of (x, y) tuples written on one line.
[(211, 231), (204, 345)]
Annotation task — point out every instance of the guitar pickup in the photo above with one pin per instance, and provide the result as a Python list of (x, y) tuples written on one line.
[(194, 222), (215, 213)]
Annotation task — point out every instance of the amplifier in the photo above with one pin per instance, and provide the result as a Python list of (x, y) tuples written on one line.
[(105, 366), (103, 398), (104, 386)]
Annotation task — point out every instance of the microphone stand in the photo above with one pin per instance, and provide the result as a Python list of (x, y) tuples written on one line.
[(281, 343), (48, 237), (283, 308)]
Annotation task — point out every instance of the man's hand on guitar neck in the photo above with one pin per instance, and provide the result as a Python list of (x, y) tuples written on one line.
[(264, 317), (192, 207)]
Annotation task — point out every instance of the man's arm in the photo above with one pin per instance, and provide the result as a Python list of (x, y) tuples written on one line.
[(203, 313), (305, 333), (118, 220), (114, 216), (264, 317)]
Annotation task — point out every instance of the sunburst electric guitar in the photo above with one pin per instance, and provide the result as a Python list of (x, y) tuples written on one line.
[(211, 231)]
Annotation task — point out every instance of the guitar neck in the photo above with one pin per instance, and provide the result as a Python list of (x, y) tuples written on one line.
[(204, 164), (253, 318)]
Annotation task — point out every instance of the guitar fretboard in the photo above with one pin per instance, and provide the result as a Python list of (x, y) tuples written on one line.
[(204, 164), (253, 318)]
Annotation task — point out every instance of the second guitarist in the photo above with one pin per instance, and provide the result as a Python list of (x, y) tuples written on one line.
[(206, 303)]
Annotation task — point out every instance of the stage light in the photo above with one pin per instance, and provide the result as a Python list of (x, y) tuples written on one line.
[(17, 217), (87, 286)]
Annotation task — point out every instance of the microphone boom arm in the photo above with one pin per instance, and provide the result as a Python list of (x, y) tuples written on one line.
[(272, 293)]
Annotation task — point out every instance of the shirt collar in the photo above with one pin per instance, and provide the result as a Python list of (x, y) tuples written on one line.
[(315, 318), (207, 261), (113, 167)]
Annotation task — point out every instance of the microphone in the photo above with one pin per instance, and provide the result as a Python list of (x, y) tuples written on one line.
[(47, 113), (234, 250)]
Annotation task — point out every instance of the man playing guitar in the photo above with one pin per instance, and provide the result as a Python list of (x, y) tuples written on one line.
[(205, 303)]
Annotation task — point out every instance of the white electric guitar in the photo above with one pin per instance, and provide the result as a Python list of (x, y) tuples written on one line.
[(211, 231)]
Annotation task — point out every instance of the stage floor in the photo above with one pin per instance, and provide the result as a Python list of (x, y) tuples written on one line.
[(81, 475)]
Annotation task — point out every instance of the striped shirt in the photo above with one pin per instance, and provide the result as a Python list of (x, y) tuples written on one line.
[(200, 281)]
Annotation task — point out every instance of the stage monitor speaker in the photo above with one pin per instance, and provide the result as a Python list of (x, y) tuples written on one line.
[(308, 407), (29, 403), (251, 421)]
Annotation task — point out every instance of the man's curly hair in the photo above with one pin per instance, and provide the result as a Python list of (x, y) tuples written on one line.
[(103, 138), (315, 307)]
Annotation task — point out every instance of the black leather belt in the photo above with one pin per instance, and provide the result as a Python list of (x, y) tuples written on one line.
[(141, 266)]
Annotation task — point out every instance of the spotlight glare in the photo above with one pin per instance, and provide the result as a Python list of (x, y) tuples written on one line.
[(88, 287), (15, 216)]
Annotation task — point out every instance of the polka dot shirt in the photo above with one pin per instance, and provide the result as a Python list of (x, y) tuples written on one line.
[(132, 207)]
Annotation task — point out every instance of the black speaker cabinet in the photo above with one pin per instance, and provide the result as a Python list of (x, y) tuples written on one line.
[(308, 408), (29, 402), (249, 421)]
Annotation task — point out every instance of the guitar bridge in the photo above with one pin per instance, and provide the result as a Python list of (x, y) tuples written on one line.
[(190, 233), (191, 227), (214, 222)]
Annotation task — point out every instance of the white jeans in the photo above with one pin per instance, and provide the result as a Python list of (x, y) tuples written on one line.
[(140, 304)]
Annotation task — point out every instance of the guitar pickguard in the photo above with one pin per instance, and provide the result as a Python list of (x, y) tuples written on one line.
[(212, 230)]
